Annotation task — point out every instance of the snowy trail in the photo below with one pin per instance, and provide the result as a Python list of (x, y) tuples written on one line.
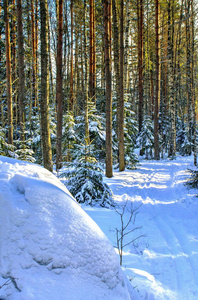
[(168, 266)]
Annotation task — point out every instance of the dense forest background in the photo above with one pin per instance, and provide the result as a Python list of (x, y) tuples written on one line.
[(94, 79)]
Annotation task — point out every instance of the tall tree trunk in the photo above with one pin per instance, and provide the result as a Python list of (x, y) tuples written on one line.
[(121, 98), (126, 50), (13, 39), (34, 60), (116, 60), (44, 100), (189, 72), (172, 149), (59, 86), (193, 81), (107, 57), (21, 86), (140, 60), (71, 102), (8, 74), (86, 78), (92, 62), (157, 93)]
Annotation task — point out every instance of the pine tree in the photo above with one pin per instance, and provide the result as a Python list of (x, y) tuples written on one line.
[(44, 97)]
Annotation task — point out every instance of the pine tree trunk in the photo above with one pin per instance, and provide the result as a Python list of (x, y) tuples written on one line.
[(189, 73), (34, 61), (71, 102), (21, 86), (13, 39), (44, 100), (157, 95), (92, 62), (59, 86), (140, 60), (126, 50), (107, 57), (116, 61), (193, 81), (121, 98), (172, 148), (8, 74), (86, 79)]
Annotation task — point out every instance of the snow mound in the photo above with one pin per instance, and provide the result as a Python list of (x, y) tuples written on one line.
[(49, 247)]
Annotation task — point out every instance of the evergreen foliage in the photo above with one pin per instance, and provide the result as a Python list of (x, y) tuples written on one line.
[(85, 179), (24, 152), (69, 137), (146, 138), (5, 148), (193, 180), (184, 145), (130, 132)]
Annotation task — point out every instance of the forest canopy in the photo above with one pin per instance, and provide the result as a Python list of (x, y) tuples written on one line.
[(108, 75)]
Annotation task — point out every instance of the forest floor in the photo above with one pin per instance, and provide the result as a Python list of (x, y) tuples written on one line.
[(163, 264)]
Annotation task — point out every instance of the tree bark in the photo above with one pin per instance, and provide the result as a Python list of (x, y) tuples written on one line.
[(92, 61), (121, 98), (21, 86), (172, 148), (107, 57), (71, 102), (116, 60), (140, 61), (44, 100), (8, 74), (34, 61), (157, 93), (59, 86), (86, 79)]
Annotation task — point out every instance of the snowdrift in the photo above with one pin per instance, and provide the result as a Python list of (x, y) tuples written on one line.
[(49, 247)]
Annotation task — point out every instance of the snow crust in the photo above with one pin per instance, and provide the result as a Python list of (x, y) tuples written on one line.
[(164, 263), (49, 247)]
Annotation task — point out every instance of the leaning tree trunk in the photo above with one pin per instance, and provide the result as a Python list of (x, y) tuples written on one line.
[(44, 98)]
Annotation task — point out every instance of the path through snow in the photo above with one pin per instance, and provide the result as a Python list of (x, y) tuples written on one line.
[(165, 264)]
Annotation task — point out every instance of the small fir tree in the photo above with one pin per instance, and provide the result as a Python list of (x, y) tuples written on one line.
[(146, 138), (84, 178), (24, 151)]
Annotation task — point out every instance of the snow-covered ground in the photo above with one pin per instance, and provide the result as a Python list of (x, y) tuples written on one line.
[(164, 263), (50, 249)]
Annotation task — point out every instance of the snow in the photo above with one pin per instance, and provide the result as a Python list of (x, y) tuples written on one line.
[(52, 249), (164, 263), (49, 247)]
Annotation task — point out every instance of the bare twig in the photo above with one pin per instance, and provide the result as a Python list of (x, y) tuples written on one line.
[(122, 232), (6, 283)]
